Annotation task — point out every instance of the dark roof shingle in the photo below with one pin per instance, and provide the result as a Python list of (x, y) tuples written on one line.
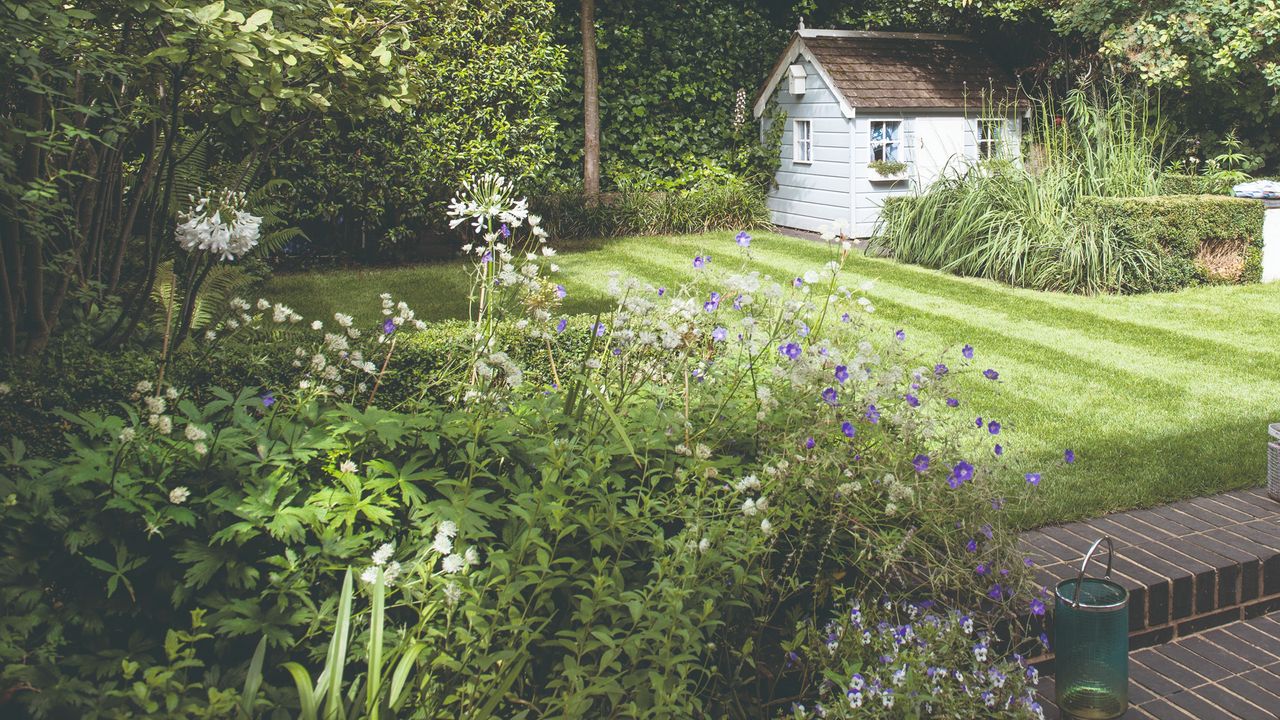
[(902, 70)]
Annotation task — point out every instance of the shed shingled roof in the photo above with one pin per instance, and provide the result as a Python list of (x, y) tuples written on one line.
[(908, 70)]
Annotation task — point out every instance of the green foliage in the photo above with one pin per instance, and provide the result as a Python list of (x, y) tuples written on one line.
[(378, 185), (713, 204), (1178, 184), (886, 168), (1200, 238), (1018, 223)]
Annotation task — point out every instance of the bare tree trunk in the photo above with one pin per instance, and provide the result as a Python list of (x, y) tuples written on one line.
[(590, 102)]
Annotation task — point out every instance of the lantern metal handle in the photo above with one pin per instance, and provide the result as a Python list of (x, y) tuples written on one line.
[(1111, 551)]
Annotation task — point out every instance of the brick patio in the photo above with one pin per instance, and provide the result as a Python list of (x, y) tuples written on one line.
[(1204, 602)]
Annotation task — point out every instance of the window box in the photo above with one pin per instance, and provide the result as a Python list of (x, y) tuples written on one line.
[(886, 171)]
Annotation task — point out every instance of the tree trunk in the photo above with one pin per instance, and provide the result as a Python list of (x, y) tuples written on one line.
[(590, 102)]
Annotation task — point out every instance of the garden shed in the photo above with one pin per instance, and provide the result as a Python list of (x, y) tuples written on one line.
[(870, 115)]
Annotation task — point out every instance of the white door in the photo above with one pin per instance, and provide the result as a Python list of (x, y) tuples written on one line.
[(939, 146)]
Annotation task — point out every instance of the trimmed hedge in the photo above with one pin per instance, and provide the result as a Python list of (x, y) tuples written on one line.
[(719, 206), (1171, 184), (1185, 229)]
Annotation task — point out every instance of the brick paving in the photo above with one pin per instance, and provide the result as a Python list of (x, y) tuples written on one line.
[(1204, 602), (1189, 566), (1229, 673)]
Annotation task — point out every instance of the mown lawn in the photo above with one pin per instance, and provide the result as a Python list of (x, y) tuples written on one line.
[(1161, 397)]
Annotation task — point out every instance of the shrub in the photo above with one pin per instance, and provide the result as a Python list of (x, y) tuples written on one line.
[(1177, 184), (712, 466), (1200, 238)]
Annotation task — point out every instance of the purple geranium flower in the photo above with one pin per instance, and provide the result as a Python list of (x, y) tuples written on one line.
[(791, 350), (920, 463), (561, 292), (996, 592), (982, 569), (743, 239), (961, 473), (978, 422), (389, 326), (808, 443), (990, 374), (1069, 456), (940, 369), (952, 402), (561, 325), (993, 427), (842, 373), (1037, 606), (900, 335), (999, 449), (486, 258), (845, 318), (847, 428), (504, 231), (699, 263), (912, 400), (829, 396), (801, 329), (1033, 478), (873, 415), (737, 303), (267, 399), (719, 334), (971, 546), (967, 352), (599, 328), (662, 291)]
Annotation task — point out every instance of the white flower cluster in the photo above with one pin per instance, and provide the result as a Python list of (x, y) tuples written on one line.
[(219, 224), (390, 570), (399, 312), (485, 199), (443, 545)]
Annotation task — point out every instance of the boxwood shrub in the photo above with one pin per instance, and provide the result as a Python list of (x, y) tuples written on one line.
[(1174, 184), (1186, 229)]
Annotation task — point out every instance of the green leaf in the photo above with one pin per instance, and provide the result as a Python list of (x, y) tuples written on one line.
[(253, 679), (257, 20), (209, 12)]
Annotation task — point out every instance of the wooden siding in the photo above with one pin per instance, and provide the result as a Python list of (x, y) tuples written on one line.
[(809, 196)]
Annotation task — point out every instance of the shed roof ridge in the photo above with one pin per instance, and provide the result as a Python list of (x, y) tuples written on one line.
[(821, 32)]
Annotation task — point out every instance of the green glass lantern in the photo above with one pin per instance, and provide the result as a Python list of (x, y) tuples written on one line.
[(1091, 644)]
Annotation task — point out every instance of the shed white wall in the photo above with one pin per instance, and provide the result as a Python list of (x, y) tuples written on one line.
[(837, 185), (809, 196)]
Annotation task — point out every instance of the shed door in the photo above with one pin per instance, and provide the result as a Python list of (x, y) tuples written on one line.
[(939, 146)]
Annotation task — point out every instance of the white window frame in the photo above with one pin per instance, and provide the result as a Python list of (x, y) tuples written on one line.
[(802, 146), (872, 143), (993, 147)]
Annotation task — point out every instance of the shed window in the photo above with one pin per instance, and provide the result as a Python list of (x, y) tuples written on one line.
[(990, 138), (803, 141), (886, 141)]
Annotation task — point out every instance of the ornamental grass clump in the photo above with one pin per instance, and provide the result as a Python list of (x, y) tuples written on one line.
[(650, 532)]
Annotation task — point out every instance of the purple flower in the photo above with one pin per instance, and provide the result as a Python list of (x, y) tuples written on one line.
[(1037, 606), (912, 400), (993, 427), (847, 428), (829, 396), (952, 402), (662, 291), (1033, 478), (986, 530), (873, 415), (808, 443), (961, 473), (797, 282), (1028, 562), (486, 258), (978, 422), (267, 399), (920, 463), (699, 263), (997, 504), (845, 318), (842, 374), (999, 449), (900, 335), (792, 657), (737, 303), (802, 330), (561, 292), (791, 350), (967, 352), (561, 325), (1069, 456), (743, 239), (982, 569), (996, 592), (713, 304), (940, 369), (599, 328), (504, 231), (719, 334), (971, 546), (990, 374), (388, 326)]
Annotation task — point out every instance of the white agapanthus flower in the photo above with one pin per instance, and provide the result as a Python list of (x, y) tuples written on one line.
[(219, 224), (179, 495)]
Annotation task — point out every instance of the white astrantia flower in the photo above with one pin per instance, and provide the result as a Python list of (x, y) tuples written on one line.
[(143, 386), (383, 554), (155, 404), (348, 466), (442, 544), (704, 545), (765, 526), (200, 449), (453, 564), (749, 507), (164, 424), (179, 495), (128, 434), (452, 593), (472, 556), (195, 434), (317, 325), (448, 528)]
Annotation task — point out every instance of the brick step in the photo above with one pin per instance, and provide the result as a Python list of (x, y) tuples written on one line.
[(1189, 566), (1230, 672)]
